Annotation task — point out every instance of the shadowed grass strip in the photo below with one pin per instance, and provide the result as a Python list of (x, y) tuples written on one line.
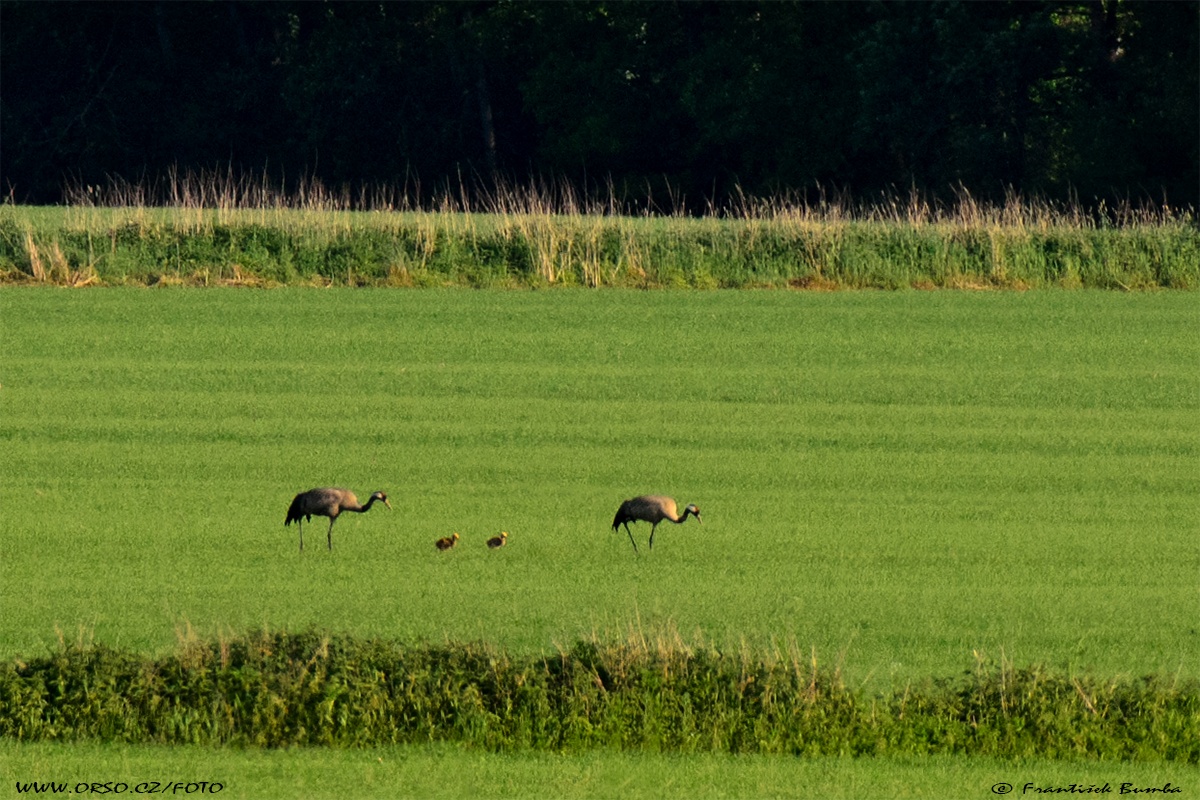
[(280, 689)]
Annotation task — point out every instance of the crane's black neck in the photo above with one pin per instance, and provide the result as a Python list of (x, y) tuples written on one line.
[(361, 509)]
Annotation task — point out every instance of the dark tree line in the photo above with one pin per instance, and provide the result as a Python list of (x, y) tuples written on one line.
[(696, 100)]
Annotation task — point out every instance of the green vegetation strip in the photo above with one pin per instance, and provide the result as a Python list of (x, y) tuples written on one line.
[(524, 244), (278, 689)]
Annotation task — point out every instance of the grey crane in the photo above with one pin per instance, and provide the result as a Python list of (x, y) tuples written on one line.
[(327, 502), (446, 542), (652, 508), (498, 541)]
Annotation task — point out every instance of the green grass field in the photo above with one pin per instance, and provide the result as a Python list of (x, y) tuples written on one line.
[(442, 771), (894, 481)]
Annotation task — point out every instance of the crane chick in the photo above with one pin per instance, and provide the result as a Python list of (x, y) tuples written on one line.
[(498, 541), (446, 542), (327, 502), (654, 509)]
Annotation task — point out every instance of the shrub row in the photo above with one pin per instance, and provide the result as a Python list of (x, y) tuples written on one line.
[(280, 689)]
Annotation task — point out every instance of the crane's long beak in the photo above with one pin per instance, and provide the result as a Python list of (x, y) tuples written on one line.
[(386, 503)]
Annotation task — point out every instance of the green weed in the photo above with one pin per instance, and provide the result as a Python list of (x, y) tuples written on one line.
[(274, 689)]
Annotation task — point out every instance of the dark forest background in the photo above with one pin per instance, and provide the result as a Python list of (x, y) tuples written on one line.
[(1065, 101)]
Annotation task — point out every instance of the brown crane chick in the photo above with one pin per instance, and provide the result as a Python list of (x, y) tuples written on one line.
[(652, 508), (446, 542), (498, 541), (327, 502)]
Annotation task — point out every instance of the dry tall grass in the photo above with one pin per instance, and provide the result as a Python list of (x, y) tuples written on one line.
[(213, 226)]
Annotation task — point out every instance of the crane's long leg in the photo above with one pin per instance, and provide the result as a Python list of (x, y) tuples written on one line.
[(653, 528), (300, 522), (631, 541), (329, 533)]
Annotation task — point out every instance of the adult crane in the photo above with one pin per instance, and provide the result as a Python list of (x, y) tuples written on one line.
[(652, 508), (327, 502)]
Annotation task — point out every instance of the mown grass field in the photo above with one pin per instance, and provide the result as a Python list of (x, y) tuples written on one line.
[(444, 771), (892, 481)]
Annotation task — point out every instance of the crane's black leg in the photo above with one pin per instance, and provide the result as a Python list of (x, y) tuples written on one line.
[(300, 522), (631, 541), (653, 528), (329, 533)]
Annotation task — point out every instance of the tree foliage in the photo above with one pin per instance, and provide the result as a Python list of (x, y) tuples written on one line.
[(675, 101)]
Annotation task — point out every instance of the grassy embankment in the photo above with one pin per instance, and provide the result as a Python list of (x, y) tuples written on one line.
[(215, 231)]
